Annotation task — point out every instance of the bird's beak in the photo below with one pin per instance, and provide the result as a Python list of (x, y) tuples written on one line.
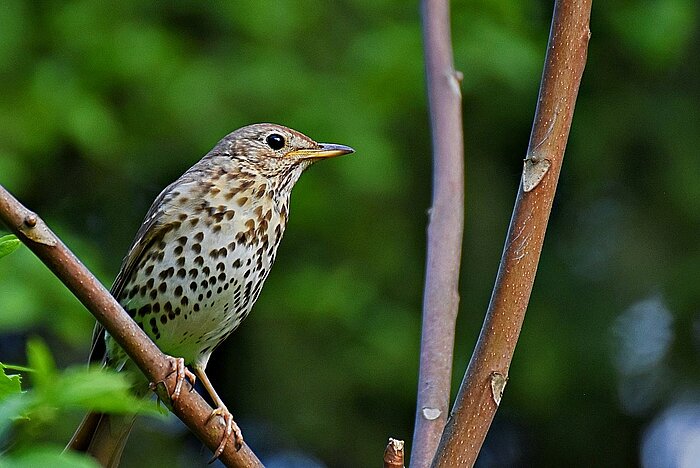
[(324, 150)]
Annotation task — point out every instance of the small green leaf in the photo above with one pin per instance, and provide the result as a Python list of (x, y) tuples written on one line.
[(39, 358), (8, 244), (99, 390), (48, 456), (9, 384)]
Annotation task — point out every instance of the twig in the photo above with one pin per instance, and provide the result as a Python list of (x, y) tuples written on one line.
[(189, 407), (441, 298), (393, 454), (486, 376)]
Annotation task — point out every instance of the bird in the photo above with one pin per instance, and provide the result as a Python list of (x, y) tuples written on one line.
[(198, 264)]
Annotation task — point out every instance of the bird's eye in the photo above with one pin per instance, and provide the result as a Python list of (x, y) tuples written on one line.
[(275, 141)]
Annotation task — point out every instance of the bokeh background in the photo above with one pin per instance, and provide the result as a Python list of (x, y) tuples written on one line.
[(102, 104)]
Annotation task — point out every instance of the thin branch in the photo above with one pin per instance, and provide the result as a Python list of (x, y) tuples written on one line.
[(486, 376), (393, 454), (441, 298), (191, 408)]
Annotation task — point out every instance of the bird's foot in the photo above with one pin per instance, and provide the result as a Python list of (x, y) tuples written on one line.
[(182, 373), (230, 428)]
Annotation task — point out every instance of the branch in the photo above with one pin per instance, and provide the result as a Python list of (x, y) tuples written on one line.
[(441, 298), (393, 454), (485, 378), (189, 407)]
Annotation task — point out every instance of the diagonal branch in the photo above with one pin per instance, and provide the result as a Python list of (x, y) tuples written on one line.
[(441, 299), (486, 376), (189, 407)]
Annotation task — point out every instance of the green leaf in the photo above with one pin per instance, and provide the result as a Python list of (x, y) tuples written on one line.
[(98, 390), (48, 456), (9, 384), (39, 358), (8, 244)]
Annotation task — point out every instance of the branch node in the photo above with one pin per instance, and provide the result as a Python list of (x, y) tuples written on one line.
[(431, 413), (498, 384), (30, 220), (34, 229)]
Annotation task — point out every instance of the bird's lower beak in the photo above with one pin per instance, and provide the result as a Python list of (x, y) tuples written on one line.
[(325, 150)]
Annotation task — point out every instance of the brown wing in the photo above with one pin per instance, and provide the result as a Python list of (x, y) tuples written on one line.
[(152, 229)]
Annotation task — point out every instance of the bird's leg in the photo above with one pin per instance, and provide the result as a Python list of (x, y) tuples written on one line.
[(230, 426), (181, 373)]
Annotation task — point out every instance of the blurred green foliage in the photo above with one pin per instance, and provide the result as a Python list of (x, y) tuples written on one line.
[(35, 411), (105, 103)]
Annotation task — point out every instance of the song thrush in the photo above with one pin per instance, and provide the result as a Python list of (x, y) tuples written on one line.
[(200, 258)]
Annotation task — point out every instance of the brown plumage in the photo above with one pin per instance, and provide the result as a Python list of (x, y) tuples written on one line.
[(200, 259)]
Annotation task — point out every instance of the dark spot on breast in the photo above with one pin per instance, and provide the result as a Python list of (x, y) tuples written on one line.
[(156, 307), (168, 307), (199, 260), (182, 216), (242, 201), (181, 273), (181, 261), (150, 283), (149, 270), (199, 236), (193, 273), (197, 248), (236, 263), (184, 301), (162, 287), (216, 228), (204, 284), (229, 215), (220, 266), (153, 294), (163, 319), (177, 250), (194, 221), (193, 286), (206, 271), (196, 307), (178, 291)]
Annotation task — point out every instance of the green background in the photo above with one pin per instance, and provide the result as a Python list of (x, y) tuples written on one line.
[(102, 104)]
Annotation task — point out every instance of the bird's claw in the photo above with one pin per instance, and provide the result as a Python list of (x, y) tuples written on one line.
[(230, 428), (182, 373)]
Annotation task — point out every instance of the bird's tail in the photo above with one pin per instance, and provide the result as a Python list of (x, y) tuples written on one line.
[(103, 436)]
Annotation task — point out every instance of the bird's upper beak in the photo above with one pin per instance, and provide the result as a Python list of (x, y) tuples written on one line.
[(324, 150)]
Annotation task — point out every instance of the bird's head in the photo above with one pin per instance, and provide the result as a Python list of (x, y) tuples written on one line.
[(275, 150)]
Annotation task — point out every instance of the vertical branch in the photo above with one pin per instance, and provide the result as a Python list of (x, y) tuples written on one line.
[(486, 376), (441, 298)]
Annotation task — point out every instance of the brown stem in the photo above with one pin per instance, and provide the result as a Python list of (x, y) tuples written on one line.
[(485, 378), (441, 299), (189, 407), (393, 454)]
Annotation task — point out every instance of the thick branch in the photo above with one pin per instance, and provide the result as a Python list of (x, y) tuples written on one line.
[(189, 407), (441, 298), (483, 383)]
